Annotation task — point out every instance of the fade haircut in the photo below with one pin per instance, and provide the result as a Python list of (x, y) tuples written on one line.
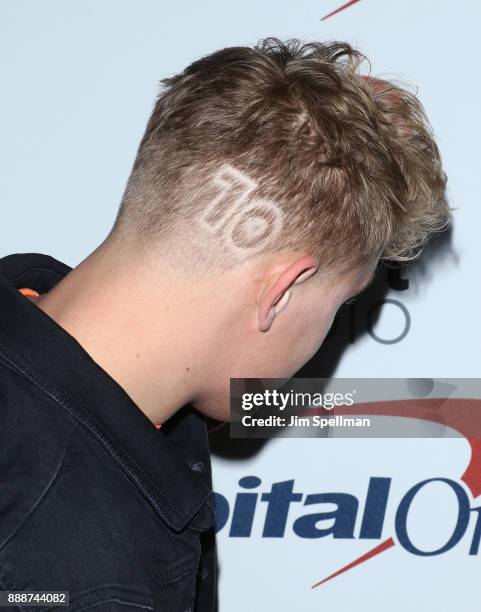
[(349, 160)]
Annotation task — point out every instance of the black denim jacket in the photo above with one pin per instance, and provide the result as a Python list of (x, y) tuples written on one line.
[(94, 499)]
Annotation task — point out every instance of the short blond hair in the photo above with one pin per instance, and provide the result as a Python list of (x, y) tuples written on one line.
[(350, 160)]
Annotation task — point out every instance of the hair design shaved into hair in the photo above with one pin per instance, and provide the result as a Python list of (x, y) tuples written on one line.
[(350, 160)]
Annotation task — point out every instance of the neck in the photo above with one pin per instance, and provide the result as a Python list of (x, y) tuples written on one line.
[(144, 329)]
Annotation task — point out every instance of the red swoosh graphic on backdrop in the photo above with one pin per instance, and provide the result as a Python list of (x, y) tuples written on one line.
[(463, 415), (341, 8), (372, 553)]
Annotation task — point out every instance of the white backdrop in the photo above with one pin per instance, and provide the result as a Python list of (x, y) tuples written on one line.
[(78, 83)]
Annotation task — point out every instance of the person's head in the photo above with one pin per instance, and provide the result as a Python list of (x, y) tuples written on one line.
[(272, 180)]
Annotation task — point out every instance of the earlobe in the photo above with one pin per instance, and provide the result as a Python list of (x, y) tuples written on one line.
[(266, 319), (267, 315), (277, 297)]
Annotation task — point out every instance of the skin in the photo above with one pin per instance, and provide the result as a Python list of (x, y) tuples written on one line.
[(169, 341)]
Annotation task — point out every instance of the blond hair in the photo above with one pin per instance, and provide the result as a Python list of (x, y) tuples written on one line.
[(351, 161)]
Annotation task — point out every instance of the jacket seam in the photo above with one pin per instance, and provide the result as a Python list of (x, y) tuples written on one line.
[(187, 572), (110, 446), (44, 493), (115, 600), (117, 592), (15, 278), (42, 385)]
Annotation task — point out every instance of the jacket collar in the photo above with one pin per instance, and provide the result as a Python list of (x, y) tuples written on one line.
[(42, 351)]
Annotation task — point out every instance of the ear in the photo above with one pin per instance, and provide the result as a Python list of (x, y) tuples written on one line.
[(277, 294)]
